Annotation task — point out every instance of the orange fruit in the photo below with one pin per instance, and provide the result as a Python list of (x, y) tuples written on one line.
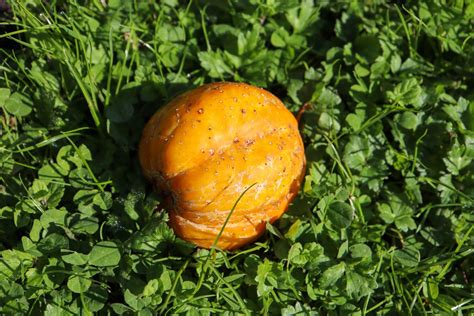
[(207, 146)]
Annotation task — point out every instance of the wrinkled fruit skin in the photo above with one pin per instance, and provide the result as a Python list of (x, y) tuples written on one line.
[(208, 145)]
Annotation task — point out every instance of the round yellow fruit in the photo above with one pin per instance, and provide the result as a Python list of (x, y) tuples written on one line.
[(207, 146)]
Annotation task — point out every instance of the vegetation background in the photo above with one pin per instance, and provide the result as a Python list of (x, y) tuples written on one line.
[(384, 224)]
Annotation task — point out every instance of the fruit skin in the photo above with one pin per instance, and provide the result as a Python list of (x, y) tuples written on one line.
[(206, 146)]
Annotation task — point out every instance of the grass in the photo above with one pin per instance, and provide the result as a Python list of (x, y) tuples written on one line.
[(383, 224)]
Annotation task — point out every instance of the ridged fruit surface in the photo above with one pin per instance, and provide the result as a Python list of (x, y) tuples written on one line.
[(208, 145)]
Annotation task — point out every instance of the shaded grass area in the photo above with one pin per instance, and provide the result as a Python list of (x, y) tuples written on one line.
[(383, 225)]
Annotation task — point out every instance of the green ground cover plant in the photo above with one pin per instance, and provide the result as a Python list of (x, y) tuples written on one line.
[(383, 225)]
